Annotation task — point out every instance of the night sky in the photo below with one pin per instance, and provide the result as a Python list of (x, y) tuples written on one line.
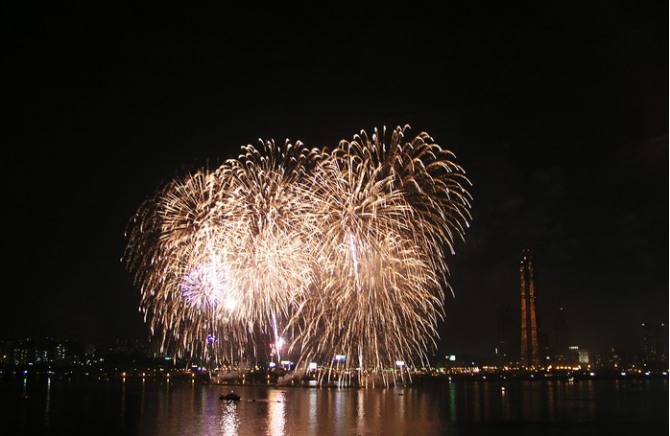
[(557, 111)]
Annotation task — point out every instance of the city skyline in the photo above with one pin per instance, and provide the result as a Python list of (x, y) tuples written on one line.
[(552, 343), (652, 353), (558, 115)]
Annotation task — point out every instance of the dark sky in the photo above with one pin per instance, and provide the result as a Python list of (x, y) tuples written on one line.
[(558, 112)]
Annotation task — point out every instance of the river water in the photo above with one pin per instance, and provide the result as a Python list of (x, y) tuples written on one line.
[(54, 406)]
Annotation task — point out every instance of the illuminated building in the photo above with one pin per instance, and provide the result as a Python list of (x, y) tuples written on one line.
[(530, 354)]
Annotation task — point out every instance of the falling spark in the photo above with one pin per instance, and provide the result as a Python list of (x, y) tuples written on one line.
[(342, 250)]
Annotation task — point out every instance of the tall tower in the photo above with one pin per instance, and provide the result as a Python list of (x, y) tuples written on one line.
[(530, 353)]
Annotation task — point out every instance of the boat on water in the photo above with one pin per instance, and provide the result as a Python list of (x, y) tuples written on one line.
[(231, 396)]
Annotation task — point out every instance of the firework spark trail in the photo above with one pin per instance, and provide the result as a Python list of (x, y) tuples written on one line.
[(431, 182), (224, 251), (173, 250), (272, 254), (342, 250), (384, 255)]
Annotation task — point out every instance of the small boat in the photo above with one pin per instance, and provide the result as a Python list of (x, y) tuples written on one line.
[(232, 396)]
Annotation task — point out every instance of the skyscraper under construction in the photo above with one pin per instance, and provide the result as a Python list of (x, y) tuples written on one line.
[(530, 353)]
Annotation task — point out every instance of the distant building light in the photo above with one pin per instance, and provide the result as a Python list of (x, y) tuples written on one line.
[(340, 357), (400, 363), (312, 365), (583, 356)]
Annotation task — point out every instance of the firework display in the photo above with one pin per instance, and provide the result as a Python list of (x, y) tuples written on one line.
[(338, 252)]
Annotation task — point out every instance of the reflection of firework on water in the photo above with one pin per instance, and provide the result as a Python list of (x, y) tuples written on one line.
[(342, 250)]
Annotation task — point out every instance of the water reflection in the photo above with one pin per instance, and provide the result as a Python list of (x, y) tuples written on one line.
[(504, 403), (312, 410), (400, 403), (360, 412), (47, 404), (230, 421), (276, 413), (151, 408), (552, 393), (452, 402), (477, 402), (122, 416), (340, 410)]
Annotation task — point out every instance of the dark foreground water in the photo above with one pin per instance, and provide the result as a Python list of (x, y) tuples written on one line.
[(51, 406)]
